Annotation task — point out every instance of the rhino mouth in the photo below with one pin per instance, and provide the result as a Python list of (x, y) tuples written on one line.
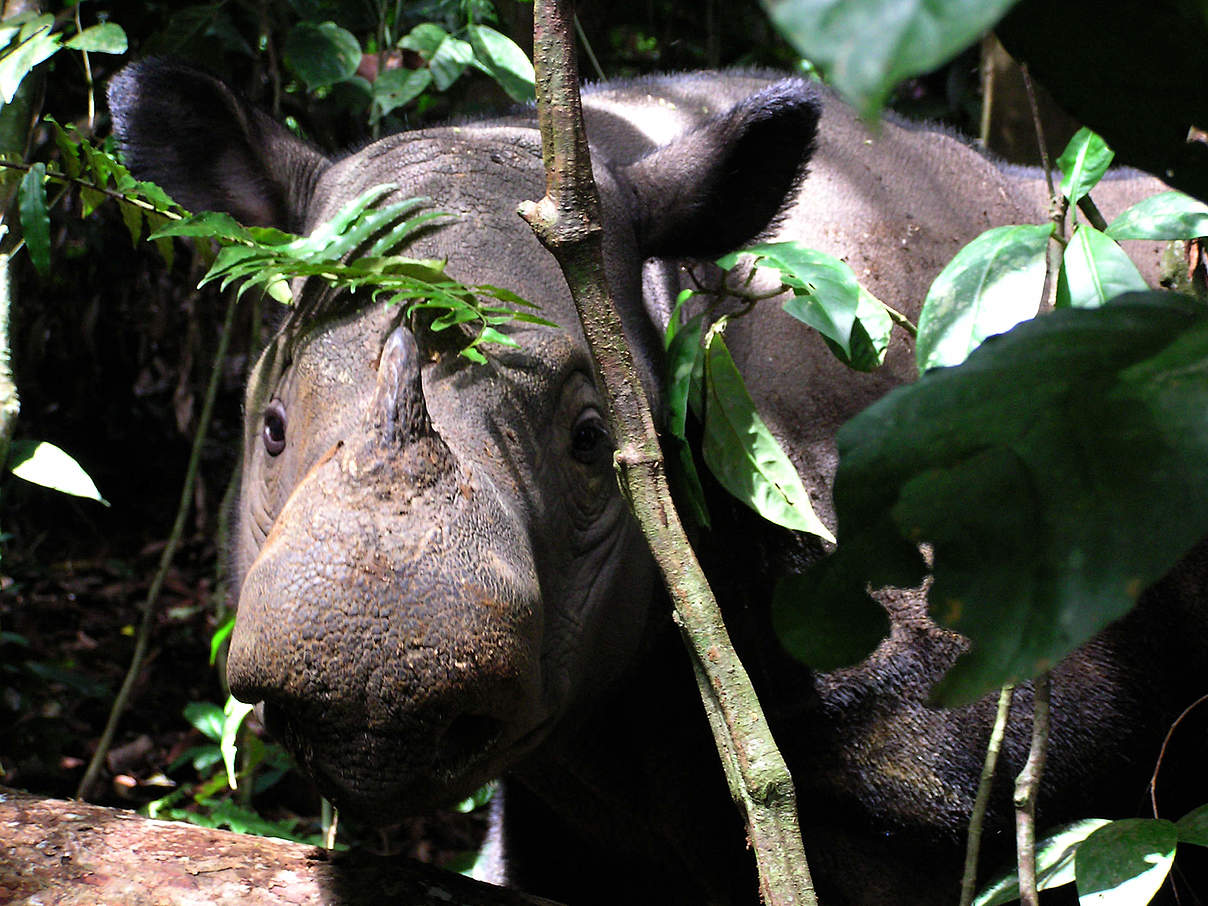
[(379, 777)]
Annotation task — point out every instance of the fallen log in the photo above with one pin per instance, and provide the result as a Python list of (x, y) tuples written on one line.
[(55, 852)]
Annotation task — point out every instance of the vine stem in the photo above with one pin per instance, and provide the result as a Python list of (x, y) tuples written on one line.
[(1027, 788), (982, 801), (143, 640), (567, 222)]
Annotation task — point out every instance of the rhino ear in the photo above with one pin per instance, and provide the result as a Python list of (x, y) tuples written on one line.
[(208, 148), (720, 185)]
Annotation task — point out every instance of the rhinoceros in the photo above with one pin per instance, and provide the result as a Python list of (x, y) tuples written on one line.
[(439, 582)]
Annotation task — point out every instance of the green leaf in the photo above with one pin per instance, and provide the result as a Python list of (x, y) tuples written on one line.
[(1095, 269), (207, 225), (233, 714), (506, 62), (35, 221), (741, 451), (827, 621), (424, 39), (450, 61), (322, 54), (45, 464), (478, 798), (1083, 163), (865, 47), (107, 37), (1125, 862), (397, 87), (1193, 827), (34, 43), (991, 285), (221, 634), (206, 717), (1019, 468), (1054, 863), (827, 297), (1167, 215)]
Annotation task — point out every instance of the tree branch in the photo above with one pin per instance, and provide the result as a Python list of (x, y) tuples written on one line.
[(1027, 787), (63, 852), (567, 221)]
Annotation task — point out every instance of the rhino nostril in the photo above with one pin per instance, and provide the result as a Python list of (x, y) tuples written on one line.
[(468, 736)]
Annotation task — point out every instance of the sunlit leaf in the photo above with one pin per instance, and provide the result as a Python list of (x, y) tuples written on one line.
[(742, 453), (1083, 163), (1125, 862), (503, 58), (1054, 863), (450, 61), (1167, 215), (991, 285), (107, 37), (1095, 269), (45, 464)]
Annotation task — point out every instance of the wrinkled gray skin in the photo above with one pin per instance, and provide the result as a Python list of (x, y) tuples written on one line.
[(440, 582)]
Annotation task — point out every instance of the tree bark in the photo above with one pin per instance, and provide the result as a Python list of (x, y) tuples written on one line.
[(567, 221), (69, 853)]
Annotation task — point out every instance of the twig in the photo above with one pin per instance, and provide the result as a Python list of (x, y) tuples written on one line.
[(1027, 787), (56, 176), (591, 56), (1057, 205), (1153, 780), (142, 642), (567, 221), (982, 801)]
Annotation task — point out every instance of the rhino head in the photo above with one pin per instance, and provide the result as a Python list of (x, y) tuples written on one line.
[(434, 562)]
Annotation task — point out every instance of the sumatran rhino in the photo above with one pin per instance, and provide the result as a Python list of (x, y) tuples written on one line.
[(440, 583)]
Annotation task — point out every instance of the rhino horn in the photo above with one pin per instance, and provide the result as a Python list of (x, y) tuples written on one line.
[(398, 415)]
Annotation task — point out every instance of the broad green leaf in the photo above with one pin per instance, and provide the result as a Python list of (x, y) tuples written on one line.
[(107, 37), (828, 298), (869, 335), (991, 285), (45, 464), (864, 47), (685, 362), (424, 39), (505, 61), (1083, 163), (33, 43), (1167, 215), (1125, 862), (35, 222), (1193, 827), (1019, 468), (827, 621), (233, 714), (1054, 863), (450, 61), (741, 451), (1094, 269), (206, 717), (322, 54), (396, 87)]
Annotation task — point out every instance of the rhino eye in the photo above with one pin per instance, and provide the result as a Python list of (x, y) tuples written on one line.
[(274, 428), (589, 438)]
